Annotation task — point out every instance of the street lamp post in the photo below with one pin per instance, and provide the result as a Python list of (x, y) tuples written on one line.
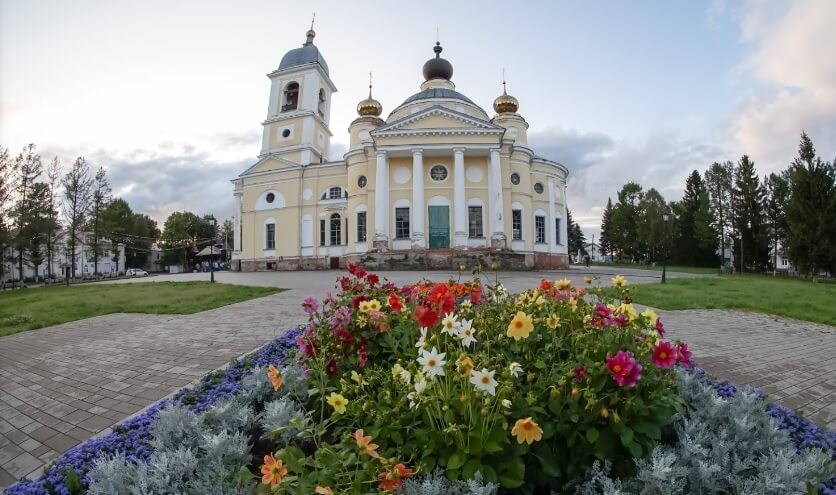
[(211, 252), (665, 217)]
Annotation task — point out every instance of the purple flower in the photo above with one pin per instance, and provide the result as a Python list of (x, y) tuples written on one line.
[(310, 305)]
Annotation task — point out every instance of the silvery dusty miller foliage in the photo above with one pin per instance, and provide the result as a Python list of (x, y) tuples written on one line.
[(436, 483)]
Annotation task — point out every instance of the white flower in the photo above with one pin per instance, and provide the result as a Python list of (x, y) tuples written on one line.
[(499, 293), (422, 339), (432, 362), (483, 380), (420, 386), (467, 333), (450, 324), (405, 376), (515, 369), (506, 403)]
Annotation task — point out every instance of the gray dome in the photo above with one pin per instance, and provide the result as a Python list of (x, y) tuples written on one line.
[(306, 54), (438, 93), (438, 68)]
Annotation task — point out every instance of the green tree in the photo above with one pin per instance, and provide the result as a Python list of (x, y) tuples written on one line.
[(77, 186), (183, 230), (8, 184), (695, 242), (100, 197), (652, 224), (606, 229), (777, 189), (577, 239), (748, 194), (811, 212), (29, 169), (718, 181), (135, 231), (41, 223), (624, 234), (53, 174)]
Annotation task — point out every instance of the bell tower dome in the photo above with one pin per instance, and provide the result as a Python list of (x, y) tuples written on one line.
[(299, 109)]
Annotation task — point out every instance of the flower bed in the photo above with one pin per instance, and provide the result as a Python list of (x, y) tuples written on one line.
[(458, 388)]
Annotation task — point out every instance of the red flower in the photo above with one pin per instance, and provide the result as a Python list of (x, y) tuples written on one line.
[(395, 302), (331, 368), (373, 280), (580, 373), (362, 359), (343, 336), (345, 284), (664, 355), (426, 317), (394, 478), (624, 369), (476, 294), (356, 270), (545, 285), (659, 328), (358, 299), (684, 354)]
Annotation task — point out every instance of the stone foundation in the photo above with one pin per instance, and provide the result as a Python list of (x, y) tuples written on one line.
[(416, 259)]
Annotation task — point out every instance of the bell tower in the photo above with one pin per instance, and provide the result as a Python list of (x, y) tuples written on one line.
[(299, 110)]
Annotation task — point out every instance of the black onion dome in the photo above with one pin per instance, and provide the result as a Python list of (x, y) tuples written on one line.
[(306, 54), (438, 68)]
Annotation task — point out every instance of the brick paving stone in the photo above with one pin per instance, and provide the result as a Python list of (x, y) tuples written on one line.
[(6, 478), (22, 465)]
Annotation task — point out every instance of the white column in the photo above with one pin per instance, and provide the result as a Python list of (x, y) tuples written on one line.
[(239, 210), (381, 199), (550, 230), (459, 202), (418, 198), (495, 201)]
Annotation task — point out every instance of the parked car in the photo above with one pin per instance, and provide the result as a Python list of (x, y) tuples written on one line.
[(136, 272)]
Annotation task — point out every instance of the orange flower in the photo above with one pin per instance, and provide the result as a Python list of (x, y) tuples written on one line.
[(526, 430), (364, 443), (324, 490), (273, 471), (394, 478), (275, 377)]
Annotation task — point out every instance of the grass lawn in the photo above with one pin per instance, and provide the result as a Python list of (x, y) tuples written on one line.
[(702, 270), (795, 298), (28, 309)]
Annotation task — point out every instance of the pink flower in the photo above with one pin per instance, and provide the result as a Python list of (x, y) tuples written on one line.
[(602, 311), (684, 354), (624, 369), (310, 305), (664, 355), (580, 373), (659, 328)]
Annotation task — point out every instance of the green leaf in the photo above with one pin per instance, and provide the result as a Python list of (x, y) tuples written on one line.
[(635, 449), (626, 436), (72, 483), (592, 435), (456, 460), (514, 474), (470, 468)]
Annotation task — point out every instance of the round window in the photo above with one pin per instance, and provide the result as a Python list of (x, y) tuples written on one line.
[(438, 173), (271, 197), (286, 133), (361, 181), (538, 188), (515, 178)]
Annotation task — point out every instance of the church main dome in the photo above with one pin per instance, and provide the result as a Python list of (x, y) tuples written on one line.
[(438, 68), (308, 53)]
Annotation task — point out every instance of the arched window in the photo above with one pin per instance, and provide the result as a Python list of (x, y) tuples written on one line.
[(336, 229), (322, 103), (291, 97), (335, 192)]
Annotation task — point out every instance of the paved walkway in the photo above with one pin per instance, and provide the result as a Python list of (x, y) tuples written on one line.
[(64, 384)]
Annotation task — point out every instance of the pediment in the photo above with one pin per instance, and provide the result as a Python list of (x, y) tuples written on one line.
[(438, 120), (268, 163)]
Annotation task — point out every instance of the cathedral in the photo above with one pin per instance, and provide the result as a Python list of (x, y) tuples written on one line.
[(437, 184)]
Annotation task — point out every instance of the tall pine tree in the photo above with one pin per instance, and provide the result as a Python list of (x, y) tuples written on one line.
[(577, 240), (718, 181), (99, 200), (652, 224), (29, 168), (695, 241), (77, 197), (811, 212), (606, 229), (777, 189), (748, 219), (624, 228)]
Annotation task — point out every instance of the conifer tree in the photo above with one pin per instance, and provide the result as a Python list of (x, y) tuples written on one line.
[(696, 242), (606, 226), (652, 224), (624, 230), (8, 183), (53, 174), (577, 240), (811, 212), (99, 200), (777, 190), (748, 218), (718, 182), (29, 169), (77, 197)]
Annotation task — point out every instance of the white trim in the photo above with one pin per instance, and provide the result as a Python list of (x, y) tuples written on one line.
[(261, 203), (267, 221)]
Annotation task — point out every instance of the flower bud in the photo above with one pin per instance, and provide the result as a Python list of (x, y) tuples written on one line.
[(575, 392), (605, 413), (484, 411)]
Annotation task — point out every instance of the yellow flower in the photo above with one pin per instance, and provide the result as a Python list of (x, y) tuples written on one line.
[(526, 430), (533, 296), (619, 281), (374, 305), (521, 326), (357, 378), (540, 301), (563, 284), (464, 365), (364, 306), (650, 315), (629, 311), (338, 402), (522, 299), (553, 321), (324, 490), (466, 304), (573, 303), (361, 321), (587, 280)]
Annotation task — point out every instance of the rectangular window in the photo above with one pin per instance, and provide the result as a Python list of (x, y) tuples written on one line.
[(401, 223), (322, 232), (540, 229), (336, 227), (361, 226), (474, 222), (557, 231), (516, 225), (270, 236)]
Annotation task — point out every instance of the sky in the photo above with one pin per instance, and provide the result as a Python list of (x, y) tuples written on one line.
[(169, 97)]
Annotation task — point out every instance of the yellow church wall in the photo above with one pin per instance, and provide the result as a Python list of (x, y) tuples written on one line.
[(276, 140)]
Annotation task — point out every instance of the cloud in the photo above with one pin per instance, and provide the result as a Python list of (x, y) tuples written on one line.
[(793, 61), (600, 164)]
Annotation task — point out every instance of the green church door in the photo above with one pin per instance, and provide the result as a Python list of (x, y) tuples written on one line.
[(439, 217)]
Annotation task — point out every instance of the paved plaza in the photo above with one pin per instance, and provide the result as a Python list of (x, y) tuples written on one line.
[(63, 384)]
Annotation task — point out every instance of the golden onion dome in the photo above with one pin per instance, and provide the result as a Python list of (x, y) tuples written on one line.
[(505, 103), (369, 106)]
